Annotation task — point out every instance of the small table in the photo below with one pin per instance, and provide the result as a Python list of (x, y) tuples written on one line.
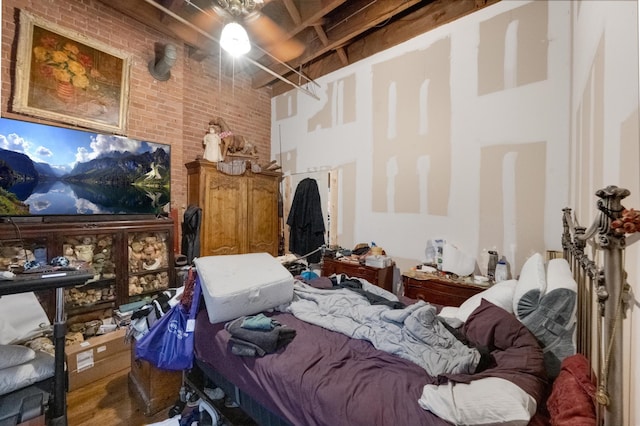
[(381, 277), (438, 289), (58, 281)]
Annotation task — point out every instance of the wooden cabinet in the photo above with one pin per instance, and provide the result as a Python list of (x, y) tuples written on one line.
[(382, 277), (437, 290), (156, 389), (239, 212), (132, 258)]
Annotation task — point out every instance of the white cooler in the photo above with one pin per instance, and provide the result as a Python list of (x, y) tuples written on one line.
[(242, 284)]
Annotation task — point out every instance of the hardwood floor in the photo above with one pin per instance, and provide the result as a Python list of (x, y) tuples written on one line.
[(108, 402)]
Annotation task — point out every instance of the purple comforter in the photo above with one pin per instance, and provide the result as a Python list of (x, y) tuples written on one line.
[(326, 378), (321, 377)]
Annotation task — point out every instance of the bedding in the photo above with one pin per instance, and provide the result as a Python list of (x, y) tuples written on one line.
[(41, 367), (572, 399), (12, 355), (552, 317), (413, 333), (324, 377)]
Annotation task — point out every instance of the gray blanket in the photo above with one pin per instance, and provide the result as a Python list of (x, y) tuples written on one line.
[(413, 333)]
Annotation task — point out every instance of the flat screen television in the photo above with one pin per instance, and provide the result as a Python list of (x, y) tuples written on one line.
[(48, 170)]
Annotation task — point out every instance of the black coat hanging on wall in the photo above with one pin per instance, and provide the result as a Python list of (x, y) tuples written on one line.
[(305, 220)]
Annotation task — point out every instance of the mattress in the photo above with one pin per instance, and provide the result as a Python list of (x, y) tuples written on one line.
[(242, 284)]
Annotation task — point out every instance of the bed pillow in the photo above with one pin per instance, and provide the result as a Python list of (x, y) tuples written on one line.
[(517, 359), (573, 393), (517, 354), (553, 320), (23, 375), (531, 286), (490, 400), (449, 314), (12, 355), (500, 294)]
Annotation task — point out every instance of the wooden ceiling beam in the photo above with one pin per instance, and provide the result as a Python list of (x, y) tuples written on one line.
[(342, 54), (293, 12), (154, 18), (338, 35), (422, 20)]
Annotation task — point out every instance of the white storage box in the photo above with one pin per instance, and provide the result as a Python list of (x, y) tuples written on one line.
[(242, 284), (378, 261)]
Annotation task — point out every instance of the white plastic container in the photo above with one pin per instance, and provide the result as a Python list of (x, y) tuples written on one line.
[(502, 273)]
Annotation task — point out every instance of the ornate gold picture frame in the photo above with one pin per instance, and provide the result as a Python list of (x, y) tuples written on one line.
[(64, 76)]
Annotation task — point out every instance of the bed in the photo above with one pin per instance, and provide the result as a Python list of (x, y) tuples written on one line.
[(516, 340)]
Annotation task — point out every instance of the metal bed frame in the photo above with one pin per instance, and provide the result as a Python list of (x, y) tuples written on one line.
[(596, 257)]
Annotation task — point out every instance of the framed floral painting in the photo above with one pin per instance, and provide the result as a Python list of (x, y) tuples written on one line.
[(64, 76)]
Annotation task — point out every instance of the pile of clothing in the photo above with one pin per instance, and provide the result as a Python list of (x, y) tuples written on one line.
[(257, 335)]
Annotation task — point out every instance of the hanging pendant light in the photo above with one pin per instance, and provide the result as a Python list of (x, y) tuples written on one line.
[(235, 40)]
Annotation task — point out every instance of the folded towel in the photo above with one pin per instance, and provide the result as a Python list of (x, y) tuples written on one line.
[(259, 342), (259, 322)]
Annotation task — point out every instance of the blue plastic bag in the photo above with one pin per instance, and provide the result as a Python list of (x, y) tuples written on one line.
[(169, 343)]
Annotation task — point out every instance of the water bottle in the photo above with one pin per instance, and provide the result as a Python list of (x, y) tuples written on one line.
[(491, 267), (501, 274)]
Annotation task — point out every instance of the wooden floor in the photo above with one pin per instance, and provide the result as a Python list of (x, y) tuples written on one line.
[(108, 402)]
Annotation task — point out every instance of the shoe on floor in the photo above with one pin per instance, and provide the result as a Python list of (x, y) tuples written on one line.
[(230, 403), (193, 400), (214, 394)]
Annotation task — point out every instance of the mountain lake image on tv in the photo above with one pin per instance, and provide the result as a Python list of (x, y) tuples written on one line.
[(48, 170)]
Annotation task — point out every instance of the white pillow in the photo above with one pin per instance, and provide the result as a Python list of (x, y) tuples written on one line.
[(559, 276), (23, 375), (12, 355), (487, 401), (450, 315), (532, 284), (500, 294)]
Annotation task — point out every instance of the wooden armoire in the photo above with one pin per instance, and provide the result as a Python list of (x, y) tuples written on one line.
[(239, 212)]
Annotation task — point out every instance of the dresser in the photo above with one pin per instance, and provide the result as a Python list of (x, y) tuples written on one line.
[(437, 289), (239, 212), (381, 277)]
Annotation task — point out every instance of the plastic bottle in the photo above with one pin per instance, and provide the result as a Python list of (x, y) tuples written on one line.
[(491, 267), (483, 262), (501, 273)]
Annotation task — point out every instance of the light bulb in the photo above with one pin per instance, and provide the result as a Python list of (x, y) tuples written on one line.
[(234, 39)]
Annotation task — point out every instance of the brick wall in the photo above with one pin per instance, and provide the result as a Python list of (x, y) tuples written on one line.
[(176, 111)]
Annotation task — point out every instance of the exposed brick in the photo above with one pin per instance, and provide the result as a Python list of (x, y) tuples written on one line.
[(177, 111)]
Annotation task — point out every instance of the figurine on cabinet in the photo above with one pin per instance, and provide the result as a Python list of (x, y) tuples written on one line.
[(213, 145)]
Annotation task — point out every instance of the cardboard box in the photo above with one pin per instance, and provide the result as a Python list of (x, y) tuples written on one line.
[(97, 357)]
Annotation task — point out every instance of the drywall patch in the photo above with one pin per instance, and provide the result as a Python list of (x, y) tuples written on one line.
[(288, 160), (421, 123), (630, 158), (513, 48), (339, 107), (286, 105), (590, 137), (512, 194), (344, 215)]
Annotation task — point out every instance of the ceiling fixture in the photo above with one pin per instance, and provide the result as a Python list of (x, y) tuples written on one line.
[(239, 7), (235, 40)]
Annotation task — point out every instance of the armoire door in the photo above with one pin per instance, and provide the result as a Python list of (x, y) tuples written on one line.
[(224, 228), (262, 214)]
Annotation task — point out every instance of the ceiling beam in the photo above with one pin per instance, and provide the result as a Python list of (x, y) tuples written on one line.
[(339, 32), (422, 20)]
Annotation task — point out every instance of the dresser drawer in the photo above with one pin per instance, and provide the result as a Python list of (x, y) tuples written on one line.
[(438, 292), (381, 277)]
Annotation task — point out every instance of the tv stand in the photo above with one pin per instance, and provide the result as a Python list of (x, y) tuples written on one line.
[(133, 258)]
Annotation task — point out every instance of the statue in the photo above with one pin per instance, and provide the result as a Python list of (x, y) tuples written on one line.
[(212, 143)]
